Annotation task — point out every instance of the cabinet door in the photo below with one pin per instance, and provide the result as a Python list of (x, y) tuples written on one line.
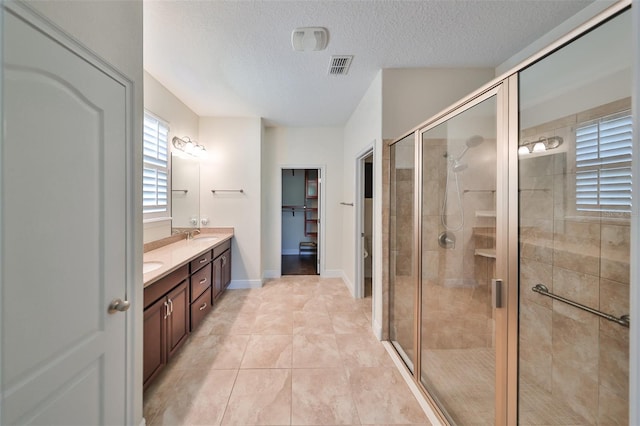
[(154, 347), (226, 268), (218, 284), (178, 319)]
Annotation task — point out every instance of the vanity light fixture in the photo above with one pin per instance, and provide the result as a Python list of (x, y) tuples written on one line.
[(541, 145), (185, 144)]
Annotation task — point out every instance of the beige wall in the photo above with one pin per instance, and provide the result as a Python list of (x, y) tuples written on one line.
[(412, 95), (570, 24), (363, 131), (234, 147), (303, 147)]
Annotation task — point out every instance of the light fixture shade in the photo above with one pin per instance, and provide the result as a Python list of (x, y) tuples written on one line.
[(308, 39), (539, 147), (186, 145)]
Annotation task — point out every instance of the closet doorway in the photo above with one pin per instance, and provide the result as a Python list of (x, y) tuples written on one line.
[(300, 249)]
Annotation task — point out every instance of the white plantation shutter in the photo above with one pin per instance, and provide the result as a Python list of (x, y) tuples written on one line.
[(155, 168), (603, 161)]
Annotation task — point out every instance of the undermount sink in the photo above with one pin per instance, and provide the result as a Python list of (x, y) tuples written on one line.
[(150, 266), (207, 239)]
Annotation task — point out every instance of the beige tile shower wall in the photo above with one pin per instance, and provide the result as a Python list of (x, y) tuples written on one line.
[(583, 256), (456, 304), (402, 296), (403, 247)]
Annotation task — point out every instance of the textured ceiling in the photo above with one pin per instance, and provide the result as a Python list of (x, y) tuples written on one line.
[(234, 58)]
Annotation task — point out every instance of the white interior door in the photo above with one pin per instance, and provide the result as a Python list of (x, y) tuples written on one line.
[(63, 234)]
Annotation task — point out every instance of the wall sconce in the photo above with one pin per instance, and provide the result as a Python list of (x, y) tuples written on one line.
[(185, 144), (541, 145)]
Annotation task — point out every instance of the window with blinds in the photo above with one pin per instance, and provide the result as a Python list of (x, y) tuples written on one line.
[(603, 164), (155, 167)]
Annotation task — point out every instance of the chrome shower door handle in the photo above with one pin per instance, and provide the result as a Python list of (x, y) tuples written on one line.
[(496, 293)]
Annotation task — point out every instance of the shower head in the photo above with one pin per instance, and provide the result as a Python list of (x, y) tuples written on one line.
[(472, 142)]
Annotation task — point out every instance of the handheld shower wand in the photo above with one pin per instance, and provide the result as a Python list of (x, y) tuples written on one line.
[(454, 167)]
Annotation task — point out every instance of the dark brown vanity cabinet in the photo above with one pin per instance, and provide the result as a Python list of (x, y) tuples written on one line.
[(177, 317), (221, 268), (176, 304), (155, 340), (166, 320), (201, 279)]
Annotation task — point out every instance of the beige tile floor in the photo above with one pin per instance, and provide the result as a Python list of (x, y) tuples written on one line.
[(298, 351)]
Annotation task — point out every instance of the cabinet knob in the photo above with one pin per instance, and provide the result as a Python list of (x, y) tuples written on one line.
[(118, 305)]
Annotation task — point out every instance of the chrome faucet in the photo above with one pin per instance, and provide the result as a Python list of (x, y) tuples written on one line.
[(192, 233)]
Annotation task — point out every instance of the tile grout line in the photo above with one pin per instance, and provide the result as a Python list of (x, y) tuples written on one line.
[(226, 407)]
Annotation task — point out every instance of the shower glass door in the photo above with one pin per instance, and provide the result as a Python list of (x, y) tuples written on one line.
[(575, 164), (459, 239), (402, 316)]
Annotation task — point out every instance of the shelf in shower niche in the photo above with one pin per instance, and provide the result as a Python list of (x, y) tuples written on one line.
[(485, 213), (491, 253), (484, 232)]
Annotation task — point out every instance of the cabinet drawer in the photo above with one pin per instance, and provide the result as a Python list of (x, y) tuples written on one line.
[(200, 308), (200, 261), (218, 250), (200, 282), (161, 287)]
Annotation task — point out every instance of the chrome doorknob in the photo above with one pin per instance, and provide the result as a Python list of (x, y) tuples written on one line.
[(118, 305)]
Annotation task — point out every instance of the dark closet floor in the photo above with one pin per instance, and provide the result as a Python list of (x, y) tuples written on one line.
[(299, 265)]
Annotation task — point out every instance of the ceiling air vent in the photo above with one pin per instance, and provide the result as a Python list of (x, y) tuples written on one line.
[(339, 65)]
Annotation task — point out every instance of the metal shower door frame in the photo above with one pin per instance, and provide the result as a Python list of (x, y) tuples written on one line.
[(501, 91)]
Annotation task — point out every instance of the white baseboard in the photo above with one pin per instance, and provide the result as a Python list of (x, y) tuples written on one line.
[(348, 283), (424, 404), (270, 273), (288, 252), (377, 329), (241, 284), (332, 273), (143, 422)]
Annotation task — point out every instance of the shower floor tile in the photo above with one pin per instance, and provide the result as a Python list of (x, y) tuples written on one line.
[(461, 378)]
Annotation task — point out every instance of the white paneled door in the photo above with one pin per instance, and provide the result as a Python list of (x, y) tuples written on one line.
[(64, 201)]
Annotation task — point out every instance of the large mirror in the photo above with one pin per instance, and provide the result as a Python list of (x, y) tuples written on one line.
[(185, 192)]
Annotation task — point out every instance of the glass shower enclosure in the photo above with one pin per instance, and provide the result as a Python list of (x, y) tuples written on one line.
[(510, 240)]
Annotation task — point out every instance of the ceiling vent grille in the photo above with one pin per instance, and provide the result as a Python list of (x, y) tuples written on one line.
[(339, 65)]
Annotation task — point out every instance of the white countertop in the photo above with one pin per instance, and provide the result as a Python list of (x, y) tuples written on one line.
[(177, 254)]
